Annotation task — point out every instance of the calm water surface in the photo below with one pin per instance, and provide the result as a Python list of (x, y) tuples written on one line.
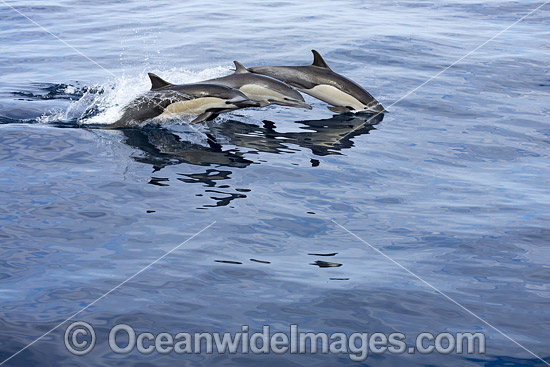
[(453, 183)]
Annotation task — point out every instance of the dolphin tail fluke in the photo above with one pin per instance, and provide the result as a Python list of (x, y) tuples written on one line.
[(318, 60), (207, 116), (239, 68), (157, 82)]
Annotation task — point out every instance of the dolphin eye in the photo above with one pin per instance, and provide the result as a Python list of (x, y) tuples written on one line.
[(227, 102)]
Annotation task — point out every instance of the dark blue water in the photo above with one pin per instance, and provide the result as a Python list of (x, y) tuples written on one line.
[(453, 183)]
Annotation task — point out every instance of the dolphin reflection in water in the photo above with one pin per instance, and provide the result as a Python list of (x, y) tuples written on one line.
[(160, 147)]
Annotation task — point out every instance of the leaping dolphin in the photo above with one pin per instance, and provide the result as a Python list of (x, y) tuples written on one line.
[(261, 88), (207, 100), (319, 81)]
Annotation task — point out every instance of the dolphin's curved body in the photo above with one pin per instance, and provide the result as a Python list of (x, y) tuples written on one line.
[(261, 88), (319, 81), (207, 100)]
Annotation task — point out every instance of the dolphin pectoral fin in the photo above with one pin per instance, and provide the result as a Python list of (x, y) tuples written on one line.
[(264, 103), (338, 109), (318, 60), (157, 82), (274, 101), (239, 68), (212, 116), (207, 116)]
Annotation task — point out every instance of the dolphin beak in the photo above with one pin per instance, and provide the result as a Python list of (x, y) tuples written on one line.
[(375, 108), (247, 103), (292, 103)]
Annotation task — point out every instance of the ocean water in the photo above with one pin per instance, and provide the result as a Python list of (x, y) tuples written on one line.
[(452, 183)]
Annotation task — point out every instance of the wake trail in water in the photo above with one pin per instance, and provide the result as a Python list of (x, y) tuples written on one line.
[(103, 103)]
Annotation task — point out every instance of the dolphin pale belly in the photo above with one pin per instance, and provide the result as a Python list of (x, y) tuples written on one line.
[(204, 100), (261, 88), (319, 81)]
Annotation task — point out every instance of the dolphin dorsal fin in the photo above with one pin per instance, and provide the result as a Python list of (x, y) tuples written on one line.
[(239, 68), (157, 82), (318, 60)]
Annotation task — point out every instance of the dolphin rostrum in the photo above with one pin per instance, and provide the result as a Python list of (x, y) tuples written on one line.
[(319, 81), (261, 88), (207, 100)]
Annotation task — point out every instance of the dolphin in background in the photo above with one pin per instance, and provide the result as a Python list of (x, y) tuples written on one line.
[(261, 88), (207, 100), (319, 81)]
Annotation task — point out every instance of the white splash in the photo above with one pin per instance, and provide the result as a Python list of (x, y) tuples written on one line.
[(105, 103)]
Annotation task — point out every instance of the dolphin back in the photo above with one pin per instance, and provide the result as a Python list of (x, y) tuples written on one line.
[(244, 76), (147, 106), (306, 78)]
